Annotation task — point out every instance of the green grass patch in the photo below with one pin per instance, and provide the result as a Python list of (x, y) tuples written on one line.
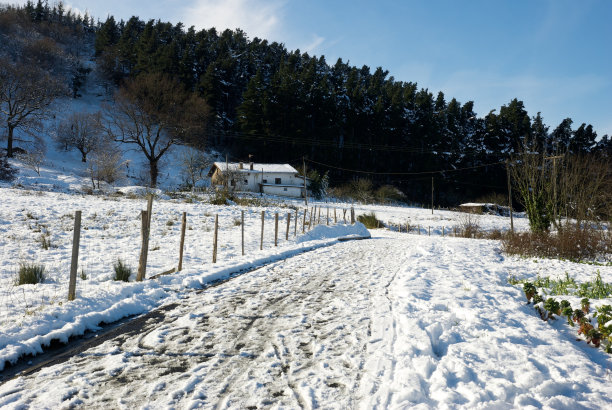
[(122, 271), (30, 274), (595, 289), (370, 221)]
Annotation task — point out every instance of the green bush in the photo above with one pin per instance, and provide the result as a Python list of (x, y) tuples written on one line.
[(30, 274), (122, 271), (222, 196), (370, 221)]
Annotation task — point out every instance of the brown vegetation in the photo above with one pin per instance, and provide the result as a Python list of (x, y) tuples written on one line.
[(573, 242)]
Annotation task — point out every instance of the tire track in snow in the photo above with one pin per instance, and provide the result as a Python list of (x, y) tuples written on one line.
[(291, 334)]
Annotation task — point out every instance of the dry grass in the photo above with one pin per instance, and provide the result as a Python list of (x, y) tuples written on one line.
[(468, 227), (577, 243)]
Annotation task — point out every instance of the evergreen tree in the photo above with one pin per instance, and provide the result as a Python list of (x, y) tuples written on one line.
[(540, 134), (562, 135), (106, 36), (583, 139)]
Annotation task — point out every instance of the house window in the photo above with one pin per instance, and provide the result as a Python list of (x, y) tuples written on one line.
[(285, 189), (246, 181), (277, 181), (265, 181)]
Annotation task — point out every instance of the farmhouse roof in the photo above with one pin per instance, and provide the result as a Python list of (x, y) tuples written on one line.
[(246, 167)]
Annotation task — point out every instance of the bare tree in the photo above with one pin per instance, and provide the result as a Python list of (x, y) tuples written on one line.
[(361, 190), (34, 156), (585, 187), (80, 131), (153, 112), (105, 164), (561, 184), (26, 94), (193, 165)]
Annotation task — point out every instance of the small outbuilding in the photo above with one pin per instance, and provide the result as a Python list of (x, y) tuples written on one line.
[(274, 179)]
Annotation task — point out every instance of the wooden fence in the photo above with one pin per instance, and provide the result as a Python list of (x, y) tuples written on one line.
[(310, 218)]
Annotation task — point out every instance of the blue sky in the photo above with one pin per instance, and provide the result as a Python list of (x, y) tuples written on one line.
[(554, 55)]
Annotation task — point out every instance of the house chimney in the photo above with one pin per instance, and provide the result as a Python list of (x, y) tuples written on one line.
[(241, 165)]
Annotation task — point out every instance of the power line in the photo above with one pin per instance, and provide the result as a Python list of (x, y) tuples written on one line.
[(332, 144), (406, 173)]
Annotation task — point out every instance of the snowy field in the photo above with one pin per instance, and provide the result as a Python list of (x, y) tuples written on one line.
[(396, 321)]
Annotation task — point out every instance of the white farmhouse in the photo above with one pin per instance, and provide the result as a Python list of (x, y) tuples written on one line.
[(274, 179)]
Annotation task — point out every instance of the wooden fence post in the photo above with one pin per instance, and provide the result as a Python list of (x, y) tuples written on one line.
[(419, 228), (296, 223), (335, 217), (215, 239), (304, 223), (344, 215), (328, 215), (144, 250), (429, 228), (145, 233), (182, 245), (149, 210), (276, 229), (443, 231), (76, 237), (242, 233), (319, 220), (352, 216), (310, 222), (288, 224), (263, 216)]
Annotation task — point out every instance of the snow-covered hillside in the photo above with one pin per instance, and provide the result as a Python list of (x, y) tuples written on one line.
[(64, 171)]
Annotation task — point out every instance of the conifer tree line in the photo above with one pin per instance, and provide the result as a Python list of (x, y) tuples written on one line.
[(280, 105)]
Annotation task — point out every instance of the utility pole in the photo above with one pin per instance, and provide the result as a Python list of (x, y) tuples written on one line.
[(432, 193), (509, 195), (555, 188), (304, 172), (226, 173)]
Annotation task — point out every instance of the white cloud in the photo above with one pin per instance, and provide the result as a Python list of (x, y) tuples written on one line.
[(312, 47), (258, 18)]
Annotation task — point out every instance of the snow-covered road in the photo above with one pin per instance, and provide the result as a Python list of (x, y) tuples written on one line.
[(384, 323)]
